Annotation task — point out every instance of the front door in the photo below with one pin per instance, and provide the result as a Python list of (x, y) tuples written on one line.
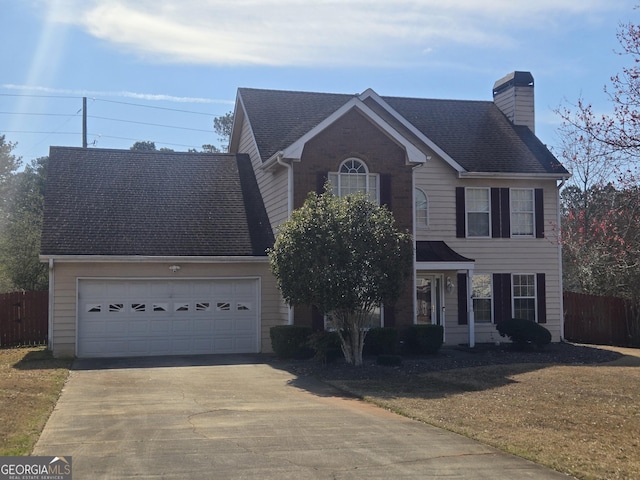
[(430, 305)]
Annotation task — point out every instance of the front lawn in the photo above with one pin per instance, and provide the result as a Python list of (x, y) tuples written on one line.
[(580, 419), (30, 383)]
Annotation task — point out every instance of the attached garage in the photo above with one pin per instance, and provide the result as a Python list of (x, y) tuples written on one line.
[(156, 253), (167, 317)]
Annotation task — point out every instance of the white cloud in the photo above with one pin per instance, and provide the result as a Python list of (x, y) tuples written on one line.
[(299, 32), (121, 94)]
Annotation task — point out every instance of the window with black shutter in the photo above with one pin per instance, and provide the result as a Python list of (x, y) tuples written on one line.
[(499, 212)]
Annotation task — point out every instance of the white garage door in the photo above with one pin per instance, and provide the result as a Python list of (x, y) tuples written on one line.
[(167, 317)]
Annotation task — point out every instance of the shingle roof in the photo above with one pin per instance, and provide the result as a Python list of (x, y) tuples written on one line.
[(123, 202), (475, 134)]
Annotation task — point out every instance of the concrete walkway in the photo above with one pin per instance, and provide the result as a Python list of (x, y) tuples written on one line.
[(238, 418)]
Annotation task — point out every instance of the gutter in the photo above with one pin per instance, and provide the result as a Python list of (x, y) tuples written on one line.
[(513, 176), (151, 259), (51, 305), (560, 270)]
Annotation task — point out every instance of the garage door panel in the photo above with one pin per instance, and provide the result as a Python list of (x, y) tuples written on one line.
[(245, 325), (243, 342), (203, 327), (167, 317)]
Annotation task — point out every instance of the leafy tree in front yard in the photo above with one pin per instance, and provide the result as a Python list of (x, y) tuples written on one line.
[(344, 256)]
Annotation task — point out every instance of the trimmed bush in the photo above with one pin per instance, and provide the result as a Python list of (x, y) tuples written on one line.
[(291, 341), (326, 346), (380, 341), (389, 360), (423, 339), (524, 333)]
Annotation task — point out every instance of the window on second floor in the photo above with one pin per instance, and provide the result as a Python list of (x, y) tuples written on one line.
[(522, 212), (478, 208), (421, 209), (499, 212), (353, 176)]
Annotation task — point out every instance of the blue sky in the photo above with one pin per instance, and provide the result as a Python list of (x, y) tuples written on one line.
[(161, 70)]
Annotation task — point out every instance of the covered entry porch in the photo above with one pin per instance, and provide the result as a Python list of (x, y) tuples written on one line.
[(442, 282)]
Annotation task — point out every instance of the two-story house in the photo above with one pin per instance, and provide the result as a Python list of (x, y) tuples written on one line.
[(469, 179), (162, 253)]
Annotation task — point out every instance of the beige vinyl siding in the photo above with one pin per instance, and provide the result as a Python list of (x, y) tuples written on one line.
[(492, 255), (272, 183), (272, 310)]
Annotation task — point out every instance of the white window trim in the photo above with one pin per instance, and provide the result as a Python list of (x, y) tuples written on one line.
[(491, 298), (415, 216), (533, 213), (535, 294), (467, 212), (368, 177)]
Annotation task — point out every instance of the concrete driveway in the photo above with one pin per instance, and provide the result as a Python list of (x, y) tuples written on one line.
[(235, 417)]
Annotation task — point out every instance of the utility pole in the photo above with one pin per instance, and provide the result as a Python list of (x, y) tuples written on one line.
[(84, 122)]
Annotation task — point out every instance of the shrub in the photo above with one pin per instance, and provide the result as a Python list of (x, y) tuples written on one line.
[(291, 341), (423, 339), (524, 333), (326, 346), (380, 341), (389, 360)]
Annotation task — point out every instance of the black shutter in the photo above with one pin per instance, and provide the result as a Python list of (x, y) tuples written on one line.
[(462, 299), (505, 213), (389, 316), (385, 190), (539, 209), (317, 319), (321, 179), (460, 213), (495, 213), (501, 297), (541, 296)]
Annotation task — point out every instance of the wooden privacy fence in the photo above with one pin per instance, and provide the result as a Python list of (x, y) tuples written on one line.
[(600, 320), (23, 318)]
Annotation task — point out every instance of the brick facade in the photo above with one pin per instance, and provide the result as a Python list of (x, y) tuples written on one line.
[(355, 136)]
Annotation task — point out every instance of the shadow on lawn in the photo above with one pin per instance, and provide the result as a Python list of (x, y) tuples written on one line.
[(41, 359), (452, 371)]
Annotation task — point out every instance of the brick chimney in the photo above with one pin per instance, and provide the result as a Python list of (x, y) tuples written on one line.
[(513, 94)]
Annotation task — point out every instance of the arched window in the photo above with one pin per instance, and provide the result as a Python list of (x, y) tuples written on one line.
[(353, 176), (421, 209)]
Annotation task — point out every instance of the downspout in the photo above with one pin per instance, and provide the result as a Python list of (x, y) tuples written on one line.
[(413, 221), (50, 301), (289, 167), (560, 270)]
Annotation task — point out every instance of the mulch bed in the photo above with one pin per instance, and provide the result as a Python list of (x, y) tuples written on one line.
[(450, 358)]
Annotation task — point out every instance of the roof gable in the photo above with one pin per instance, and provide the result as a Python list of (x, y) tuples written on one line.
[(123, 202), (471, 136), (414, 155)]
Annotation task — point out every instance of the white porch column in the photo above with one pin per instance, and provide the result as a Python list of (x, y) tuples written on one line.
[(471, 320)]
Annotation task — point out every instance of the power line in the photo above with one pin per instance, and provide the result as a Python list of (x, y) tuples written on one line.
[(138, 140), (40, 114), (153, 106), (150, 124), (36, 96), (96, 99), (66, 118), (40, 133)]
